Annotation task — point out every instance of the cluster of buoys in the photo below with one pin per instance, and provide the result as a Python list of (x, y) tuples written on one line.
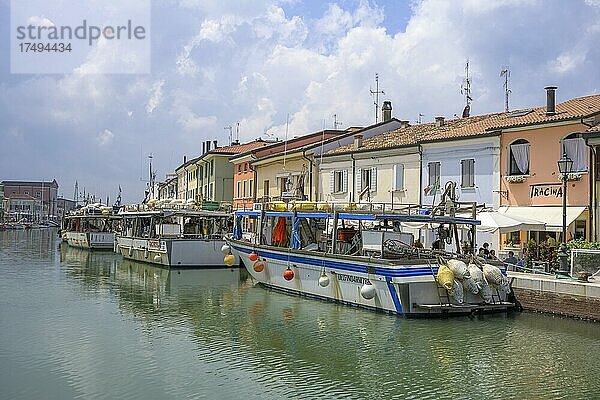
[(456, 277)]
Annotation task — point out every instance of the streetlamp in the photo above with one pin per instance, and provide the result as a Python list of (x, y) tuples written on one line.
[(565, 164)]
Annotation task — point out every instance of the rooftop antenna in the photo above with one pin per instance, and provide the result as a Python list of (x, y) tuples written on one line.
[(465, 89), (237, 132), (506, 74), (230, 129), (420, 118), (336, 123), (375, 93)]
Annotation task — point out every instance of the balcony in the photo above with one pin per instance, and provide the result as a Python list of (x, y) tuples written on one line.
[(516, 178)]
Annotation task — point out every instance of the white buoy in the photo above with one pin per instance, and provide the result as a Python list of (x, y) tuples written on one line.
[(225, 249), (157, 257), (367, 291), (324, 280)]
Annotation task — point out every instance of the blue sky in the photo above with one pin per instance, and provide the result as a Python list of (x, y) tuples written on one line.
[(215, 63)]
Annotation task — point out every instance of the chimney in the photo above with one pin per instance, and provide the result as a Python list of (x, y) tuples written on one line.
[(184, 159), (215, 144), (203, 147), (550, 100), (358, 138), (439, 121), (386, 111), (404, 123), (207, 146)]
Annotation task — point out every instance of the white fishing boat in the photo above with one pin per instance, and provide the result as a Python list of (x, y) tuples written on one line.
[(174, 235), (369, 258), (91, 227)]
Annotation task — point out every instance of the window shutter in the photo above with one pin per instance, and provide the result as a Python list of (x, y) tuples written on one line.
[(373, 184), (358, 181), (345, 181), (332, 182), (399, 175)]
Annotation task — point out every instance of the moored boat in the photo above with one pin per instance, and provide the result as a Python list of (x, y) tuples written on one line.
[(174, 235), (371, 259), (90, 227)]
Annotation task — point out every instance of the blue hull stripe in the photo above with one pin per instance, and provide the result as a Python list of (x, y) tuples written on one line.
[(394, 295), (293, 258)]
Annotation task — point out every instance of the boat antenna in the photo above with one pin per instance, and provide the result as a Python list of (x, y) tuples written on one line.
[(465, 89), (287, 124), (505, 72), (375, 93)]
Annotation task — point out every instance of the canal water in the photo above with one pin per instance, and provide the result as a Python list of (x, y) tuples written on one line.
[(78, 324)]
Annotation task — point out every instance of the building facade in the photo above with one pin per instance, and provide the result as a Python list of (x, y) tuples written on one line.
[(44, 191)]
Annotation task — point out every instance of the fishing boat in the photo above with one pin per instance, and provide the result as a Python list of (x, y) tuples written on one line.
[(91, 227), (366, 255), (174, 234)]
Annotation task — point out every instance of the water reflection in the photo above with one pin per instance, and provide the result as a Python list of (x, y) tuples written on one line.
[(89, 324)]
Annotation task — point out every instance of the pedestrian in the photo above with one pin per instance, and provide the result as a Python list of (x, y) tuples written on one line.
[(486, 248), (492, 255)]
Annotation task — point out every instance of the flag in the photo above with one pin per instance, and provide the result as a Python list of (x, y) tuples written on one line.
[(430, 189)]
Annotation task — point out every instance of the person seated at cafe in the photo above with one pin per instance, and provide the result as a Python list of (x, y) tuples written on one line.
[(486, 249), (417, 244), (482, 253), (492, 255), (511, 259)]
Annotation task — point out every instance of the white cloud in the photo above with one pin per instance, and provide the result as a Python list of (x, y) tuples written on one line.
[(39, 21), (105, 137), (155, 97)]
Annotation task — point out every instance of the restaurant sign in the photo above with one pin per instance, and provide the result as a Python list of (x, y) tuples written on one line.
[(546, 190)]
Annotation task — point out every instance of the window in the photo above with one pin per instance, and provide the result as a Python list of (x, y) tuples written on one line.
[(38, 194), (251, 187), (245, 188), (468, 173), (366, 178), (245, 167), (283, 185), (212, 167), (575, 148), (212, 191), (201, 171), (239, 168), (266, 187), (239, 189), (339, 182), (519, 158), (433, 169), (398, 182)]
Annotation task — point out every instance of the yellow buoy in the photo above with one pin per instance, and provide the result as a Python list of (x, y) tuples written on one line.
[(445, 277), (229, 260)]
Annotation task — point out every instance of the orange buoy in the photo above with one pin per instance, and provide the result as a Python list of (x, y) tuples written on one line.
[(288, 274), (259, 266), (253, 256)]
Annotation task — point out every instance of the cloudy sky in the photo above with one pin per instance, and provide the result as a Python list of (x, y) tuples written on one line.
[(216, 63)]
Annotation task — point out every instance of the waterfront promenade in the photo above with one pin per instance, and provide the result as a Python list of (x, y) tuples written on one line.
[(563, 296)]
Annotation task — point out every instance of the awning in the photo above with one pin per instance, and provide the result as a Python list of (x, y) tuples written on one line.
[(493, 221), (550, 215)]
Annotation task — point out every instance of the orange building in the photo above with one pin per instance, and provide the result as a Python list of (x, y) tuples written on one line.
[(531, 143)]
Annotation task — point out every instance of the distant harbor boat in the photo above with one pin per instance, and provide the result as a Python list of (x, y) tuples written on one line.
[(369, 258), (174, 234), (91, 227)]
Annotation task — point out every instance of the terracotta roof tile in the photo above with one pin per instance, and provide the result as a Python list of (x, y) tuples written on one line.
[(240, 148), (477, 125)]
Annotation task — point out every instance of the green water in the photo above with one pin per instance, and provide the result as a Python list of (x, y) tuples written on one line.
[(76, 324)]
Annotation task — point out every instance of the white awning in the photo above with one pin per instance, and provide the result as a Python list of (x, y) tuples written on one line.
[(550, 215), (493, 221)]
